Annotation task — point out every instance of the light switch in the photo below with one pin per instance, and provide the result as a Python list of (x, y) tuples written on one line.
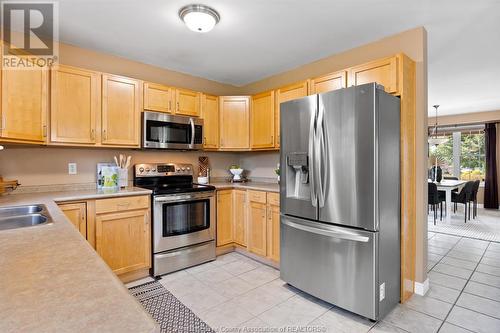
[(72, 169)]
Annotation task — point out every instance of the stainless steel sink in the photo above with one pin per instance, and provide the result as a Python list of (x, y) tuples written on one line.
[(23, 216), (21, 210)]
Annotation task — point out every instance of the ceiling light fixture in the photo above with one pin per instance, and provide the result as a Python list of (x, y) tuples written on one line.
[(436, 140), (199, 18)]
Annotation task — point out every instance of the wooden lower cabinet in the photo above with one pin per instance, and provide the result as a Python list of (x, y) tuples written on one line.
[(240, 217), (77, 214), (257, 228), (119, 229), (273, 227), (224, 217), (123, 240)]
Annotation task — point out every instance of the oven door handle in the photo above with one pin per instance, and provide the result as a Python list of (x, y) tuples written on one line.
[(182, 198)]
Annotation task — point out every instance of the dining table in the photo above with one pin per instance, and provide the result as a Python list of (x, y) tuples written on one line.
[(448, 185)]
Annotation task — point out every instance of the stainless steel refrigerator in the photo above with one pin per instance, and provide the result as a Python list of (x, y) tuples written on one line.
[(340, 198)]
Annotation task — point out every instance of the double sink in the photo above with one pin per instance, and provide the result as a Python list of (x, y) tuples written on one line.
[(15, 217)]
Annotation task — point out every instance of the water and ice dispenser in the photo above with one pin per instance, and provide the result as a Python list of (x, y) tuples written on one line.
[(297, 176)]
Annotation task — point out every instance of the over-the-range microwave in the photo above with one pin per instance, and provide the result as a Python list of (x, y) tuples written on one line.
[(163, 131)]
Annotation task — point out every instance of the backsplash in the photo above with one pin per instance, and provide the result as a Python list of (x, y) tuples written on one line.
[(49, 166)]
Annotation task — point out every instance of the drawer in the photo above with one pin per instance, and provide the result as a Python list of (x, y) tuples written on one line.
[(257, 196), (273, 199), (121, 204)]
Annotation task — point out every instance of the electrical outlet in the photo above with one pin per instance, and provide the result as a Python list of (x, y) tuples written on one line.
[(72, 169), (382, 292)]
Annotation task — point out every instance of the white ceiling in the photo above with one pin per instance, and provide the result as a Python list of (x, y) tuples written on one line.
[(259, 38)]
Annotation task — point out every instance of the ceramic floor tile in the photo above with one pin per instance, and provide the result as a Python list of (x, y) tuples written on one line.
[(437, 250), (449, 328), (446, 280), (226, 258), (480, 304), (494, 246), (260, 276), (473, 321), (464, 255), (383, 327), (139, 282), (480, 244), (491, 261), (493, 270), (201, 268), (173, 276), (231, 287), (213, 275), (430, 306), (468, 249), (447, 238), (259, 300), (443, 293), (434, 257), (201, 300), (453, 270), (412, 321), (488, 279), (441, 244), (459, 263), (295, 311), (338, 320), (491, 254), (255, 325), (430, 264), (225, 316), (483, 290), (182, 286), (240, 266)]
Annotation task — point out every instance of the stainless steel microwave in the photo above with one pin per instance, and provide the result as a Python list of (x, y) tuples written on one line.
[(163, 131)]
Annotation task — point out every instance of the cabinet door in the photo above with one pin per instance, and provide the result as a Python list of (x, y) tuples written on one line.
[(284, 94), (333, 81), (123, 240), (240, 217), (77, 214), (121, 111), (210, 114), (257, 228), (383, 71), (24, 105), (187, 102), (234, 122), (158, 97), (273, 232), (224, 217), (262, 121), (75, 105)]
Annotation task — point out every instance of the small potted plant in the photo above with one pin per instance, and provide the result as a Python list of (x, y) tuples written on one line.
[(277, 172), (236, 170)]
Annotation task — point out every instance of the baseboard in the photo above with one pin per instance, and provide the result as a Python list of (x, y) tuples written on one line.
[(422, 288)]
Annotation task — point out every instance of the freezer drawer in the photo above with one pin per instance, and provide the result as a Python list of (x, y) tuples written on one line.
[(335, 264)]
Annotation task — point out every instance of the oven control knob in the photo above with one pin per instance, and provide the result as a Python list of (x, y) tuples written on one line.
[(178, 169), (188, 168), (147, 170), (183, 168), (153, 170), (141, 169)]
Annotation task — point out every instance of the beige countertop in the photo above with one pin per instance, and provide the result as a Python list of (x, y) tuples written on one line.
[(257, 186), (51, 280)]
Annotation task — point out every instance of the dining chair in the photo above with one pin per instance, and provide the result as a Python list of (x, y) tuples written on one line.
[(434, 200), (450, 178), (475, 189), (463, 197)]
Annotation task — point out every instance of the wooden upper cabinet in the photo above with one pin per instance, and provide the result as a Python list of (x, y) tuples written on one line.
[(210, 115), (187, 102), (121, 111), (383, 71), (240, 217), (325, 83), (234, 122), (77, 214), (75, 105), (262, 121), (224, 217), (158, 97), (285, 94), (24, 105)]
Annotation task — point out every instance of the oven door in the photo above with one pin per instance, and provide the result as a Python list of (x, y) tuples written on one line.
[(183, 219), (163, 131)]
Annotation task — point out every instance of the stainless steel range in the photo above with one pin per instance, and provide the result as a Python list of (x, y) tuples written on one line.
[(183, 216)]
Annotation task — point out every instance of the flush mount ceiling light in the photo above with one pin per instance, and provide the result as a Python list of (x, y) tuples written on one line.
[(199, 18)]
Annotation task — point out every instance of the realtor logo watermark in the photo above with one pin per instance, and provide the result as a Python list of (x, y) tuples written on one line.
[(29, 34)]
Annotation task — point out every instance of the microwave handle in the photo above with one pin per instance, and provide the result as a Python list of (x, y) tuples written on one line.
[(192, 130)]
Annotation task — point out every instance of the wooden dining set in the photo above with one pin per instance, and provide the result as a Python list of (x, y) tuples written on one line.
[(451, 190)]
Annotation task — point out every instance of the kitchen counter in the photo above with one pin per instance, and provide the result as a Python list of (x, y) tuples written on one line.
[(53, 281), (257, 186)]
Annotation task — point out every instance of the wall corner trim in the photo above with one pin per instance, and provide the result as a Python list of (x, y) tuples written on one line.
[(421, 288)]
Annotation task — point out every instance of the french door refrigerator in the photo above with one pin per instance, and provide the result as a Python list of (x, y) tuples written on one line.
[(340, 198)]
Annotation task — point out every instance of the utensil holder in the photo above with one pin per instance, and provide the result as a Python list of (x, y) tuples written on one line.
[(122, 177)]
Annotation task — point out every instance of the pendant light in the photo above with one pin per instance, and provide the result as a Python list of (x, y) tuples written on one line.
[(436, 140), (199, 18)]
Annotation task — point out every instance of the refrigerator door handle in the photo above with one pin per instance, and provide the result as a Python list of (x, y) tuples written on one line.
[(312, 171), (329, 233), (321, 157)]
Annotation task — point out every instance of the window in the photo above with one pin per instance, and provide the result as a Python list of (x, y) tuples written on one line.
[(463, 154)]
